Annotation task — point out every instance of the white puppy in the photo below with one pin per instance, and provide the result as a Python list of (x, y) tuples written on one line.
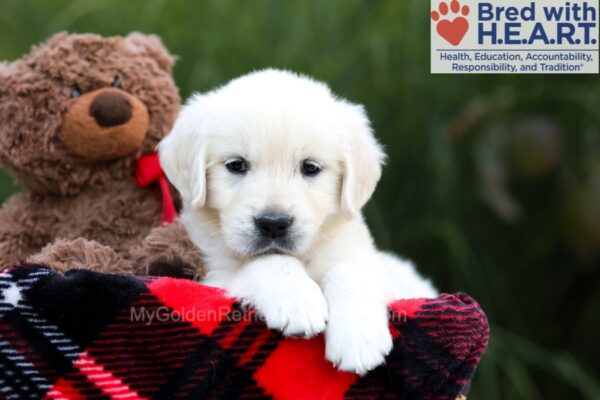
[(273, 170)]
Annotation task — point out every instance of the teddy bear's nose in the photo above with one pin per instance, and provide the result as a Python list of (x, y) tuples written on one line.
[(111, 108)]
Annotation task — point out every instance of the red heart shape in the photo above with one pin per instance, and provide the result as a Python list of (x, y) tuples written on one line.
[(453, 31)]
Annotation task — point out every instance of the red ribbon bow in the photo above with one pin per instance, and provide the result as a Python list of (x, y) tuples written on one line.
[(147, 171)]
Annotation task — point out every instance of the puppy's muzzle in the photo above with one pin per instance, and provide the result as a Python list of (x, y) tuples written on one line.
[(272, 225)]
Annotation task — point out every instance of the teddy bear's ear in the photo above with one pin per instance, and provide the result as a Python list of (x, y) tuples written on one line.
[(56, 38), (152, 46), (5, 70)]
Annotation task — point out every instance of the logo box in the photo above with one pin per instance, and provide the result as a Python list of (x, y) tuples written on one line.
[(514, 36)]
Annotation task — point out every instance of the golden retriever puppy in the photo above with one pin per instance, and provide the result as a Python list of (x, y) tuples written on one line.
[(273, 169)]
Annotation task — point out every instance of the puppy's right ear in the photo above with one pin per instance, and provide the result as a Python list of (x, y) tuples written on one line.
[(182, 156)]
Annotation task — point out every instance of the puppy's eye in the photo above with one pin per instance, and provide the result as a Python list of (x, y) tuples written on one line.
[(117, 82), (237, 165), (310, 168), (75, 91)]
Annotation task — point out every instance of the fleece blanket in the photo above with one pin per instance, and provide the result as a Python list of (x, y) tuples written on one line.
[(87, 335)]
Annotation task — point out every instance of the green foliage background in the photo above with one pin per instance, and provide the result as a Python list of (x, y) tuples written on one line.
[(492, 184)]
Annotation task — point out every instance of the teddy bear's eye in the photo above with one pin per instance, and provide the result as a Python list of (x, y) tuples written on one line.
[(117, 82), (75, 91)]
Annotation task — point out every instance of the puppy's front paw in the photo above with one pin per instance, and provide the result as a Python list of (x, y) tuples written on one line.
[(295, 308), (358, 343), (285, 296)]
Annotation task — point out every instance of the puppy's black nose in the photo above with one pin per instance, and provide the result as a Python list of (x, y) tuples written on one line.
[(273, 225)]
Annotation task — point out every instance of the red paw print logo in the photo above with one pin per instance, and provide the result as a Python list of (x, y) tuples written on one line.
[(453, 30)]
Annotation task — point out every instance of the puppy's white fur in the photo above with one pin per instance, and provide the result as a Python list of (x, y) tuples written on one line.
[(331, 277)]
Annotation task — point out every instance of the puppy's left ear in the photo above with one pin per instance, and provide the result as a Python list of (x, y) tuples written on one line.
[(362, 161), (182, 156)]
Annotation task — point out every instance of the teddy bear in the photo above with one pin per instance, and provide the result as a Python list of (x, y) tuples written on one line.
[(76, 115)]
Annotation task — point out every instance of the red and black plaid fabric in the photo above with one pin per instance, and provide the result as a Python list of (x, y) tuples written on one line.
[(94, 336)]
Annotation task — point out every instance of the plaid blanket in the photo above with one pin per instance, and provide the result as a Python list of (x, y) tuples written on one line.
[(97, 336)]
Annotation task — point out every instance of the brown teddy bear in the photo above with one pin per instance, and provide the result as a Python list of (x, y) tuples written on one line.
[(76, 113)]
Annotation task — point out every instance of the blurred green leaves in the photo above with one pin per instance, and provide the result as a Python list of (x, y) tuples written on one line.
[(493, 181)]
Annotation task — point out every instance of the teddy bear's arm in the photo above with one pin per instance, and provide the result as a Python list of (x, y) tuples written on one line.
[(63, 255), (25, 227), (167, 250)]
